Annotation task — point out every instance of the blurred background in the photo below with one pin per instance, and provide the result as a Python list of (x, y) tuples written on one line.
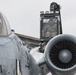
[(24, 15)]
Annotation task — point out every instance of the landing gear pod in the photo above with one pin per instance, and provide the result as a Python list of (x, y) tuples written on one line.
[(60, 55)]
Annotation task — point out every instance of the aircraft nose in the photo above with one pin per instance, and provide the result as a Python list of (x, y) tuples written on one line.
[(5, 29)]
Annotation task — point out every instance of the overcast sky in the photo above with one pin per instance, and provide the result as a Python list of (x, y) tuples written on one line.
[(24, 15)]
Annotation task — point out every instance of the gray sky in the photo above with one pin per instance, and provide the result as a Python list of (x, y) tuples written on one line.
[(24, 15)]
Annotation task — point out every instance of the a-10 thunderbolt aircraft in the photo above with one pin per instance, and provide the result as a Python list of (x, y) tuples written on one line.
[(15, 59)]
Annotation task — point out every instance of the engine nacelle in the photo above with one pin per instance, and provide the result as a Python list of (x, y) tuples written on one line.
[(60, 55)]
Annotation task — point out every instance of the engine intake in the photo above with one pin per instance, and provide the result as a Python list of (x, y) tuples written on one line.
[(63, 54), (60, 54)]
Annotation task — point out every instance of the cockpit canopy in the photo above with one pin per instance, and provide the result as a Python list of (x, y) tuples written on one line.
[(5, 29)]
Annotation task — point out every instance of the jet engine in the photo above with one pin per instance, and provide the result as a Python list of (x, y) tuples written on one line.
[(60, 55)]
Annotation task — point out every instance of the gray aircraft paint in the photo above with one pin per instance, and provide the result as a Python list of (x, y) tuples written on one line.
[(13, 55)]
